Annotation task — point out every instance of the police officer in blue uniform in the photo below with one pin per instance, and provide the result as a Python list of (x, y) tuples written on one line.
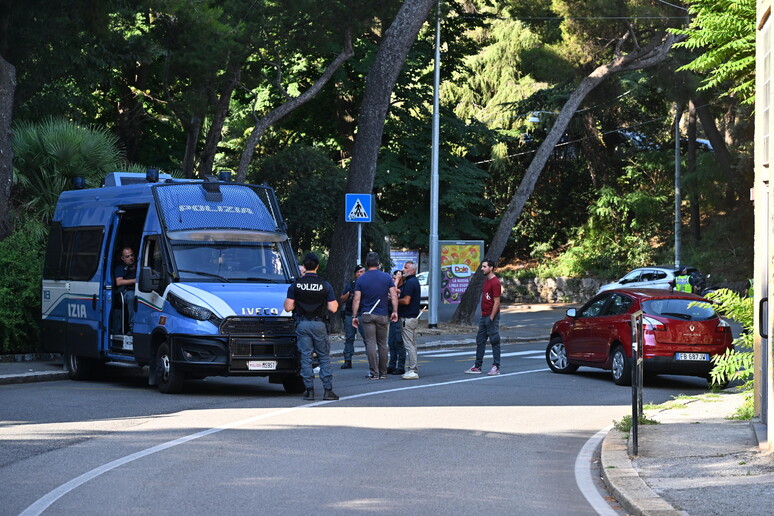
[(124, 276), (309, 297)]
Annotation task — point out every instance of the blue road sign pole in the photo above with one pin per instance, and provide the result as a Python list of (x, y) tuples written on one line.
[(359, 208), (359, 242)]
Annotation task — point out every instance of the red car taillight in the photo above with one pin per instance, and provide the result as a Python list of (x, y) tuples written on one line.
[(653, 324), (723, 327)]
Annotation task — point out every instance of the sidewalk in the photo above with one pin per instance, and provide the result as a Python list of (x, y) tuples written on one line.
[(695, 462)]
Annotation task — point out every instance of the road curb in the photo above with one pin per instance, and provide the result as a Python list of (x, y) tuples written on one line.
[(36, 376), (624, 481)]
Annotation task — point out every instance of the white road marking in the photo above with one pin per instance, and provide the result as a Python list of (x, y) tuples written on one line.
[(583, 475), (488, 354), (583, 482)]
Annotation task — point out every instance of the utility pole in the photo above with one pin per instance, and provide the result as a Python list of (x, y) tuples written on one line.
[(678, 199), (435, 252)]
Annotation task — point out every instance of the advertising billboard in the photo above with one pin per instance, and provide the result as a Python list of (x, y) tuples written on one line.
[(459, 261)]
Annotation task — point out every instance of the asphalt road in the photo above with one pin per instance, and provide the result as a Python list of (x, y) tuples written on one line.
[(447, 443)]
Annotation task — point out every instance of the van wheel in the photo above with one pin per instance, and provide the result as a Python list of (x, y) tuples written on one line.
[(78, 367), (621, 367), (293, 384), (170, 380)]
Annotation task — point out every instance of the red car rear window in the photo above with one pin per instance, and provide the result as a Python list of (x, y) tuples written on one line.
[(681, 309)]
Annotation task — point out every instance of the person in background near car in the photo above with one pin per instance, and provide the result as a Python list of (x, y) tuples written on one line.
[(308, 298), (684, 282), (371, 297), (124, 275), (395, 338), (408, 313), (489, 325), (350, 331)]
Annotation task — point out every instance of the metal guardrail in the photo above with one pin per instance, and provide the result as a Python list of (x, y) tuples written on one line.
[(637, 376)]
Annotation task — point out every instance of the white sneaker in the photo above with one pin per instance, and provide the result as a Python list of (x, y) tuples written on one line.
[(494, 371), (411, 375)]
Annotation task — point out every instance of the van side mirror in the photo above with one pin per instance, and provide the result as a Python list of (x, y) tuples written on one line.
[(148, 280)]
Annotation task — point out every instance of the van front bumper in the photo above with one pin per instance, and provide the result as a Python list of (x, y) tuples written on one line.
[(223, 355)]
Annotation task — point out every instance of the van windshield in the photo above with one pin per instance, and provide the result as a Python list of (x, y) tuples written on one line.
[(229, 262)]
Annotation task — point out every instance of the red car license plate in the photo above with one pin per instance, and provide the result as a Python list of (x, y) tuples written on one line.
[(703, 357)]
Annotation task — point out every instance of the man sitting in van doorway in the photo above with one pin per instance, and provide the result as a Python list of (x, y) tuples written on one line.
[(124, 275)]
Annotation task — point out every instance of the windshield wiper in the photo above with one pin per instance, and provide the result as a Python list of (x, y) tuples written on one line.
[(262, 279), (679, 316), (208, 274)]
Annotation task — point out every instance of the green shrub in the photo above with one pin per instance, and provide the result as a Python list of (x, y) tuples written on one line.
[(21, 265), (625, 424), (736, 364)]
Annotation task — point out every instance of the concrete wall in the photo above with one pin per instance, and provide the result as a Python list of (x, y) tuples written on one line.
[(550, 290)]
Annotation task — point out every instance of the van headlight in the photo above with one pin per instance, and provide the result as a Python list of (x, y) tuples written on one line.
[(193, 311)]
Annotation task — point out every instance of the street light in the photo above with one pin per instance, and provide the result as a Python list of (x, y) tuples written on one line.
[(435, 256)]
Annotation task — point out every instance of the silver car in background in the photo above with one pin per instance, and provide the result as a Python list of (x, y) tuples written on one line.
[(659, 276), (424, 291)]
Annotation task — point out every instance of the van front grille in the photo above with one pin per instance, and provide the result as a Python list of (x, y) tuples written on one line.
[(258, 326)]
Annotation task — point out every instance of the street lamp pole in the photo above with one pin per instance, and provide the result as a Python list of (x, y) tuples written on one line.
[(435, 257), (678, 198)]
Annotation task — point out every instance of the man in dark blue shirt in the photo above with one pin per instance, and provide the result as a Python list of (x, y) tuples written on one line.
[(373, 290), (408, 317), (349, 331), (124, 276)]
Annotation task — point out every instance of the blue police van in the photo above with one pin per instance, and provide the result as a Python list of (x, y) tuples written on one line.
[(213, 267)]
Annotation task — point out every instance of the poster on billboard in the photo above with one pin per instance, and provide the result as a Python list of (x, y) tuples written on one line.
[(399, 258), (459, 261)]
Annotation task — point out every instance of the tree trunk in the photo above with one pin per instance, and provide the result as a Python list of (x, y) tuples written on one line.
[(192, 127), (283, 110), (345, 124), (719, 148), (130, 112), (729, 123), (644, 57), (207, 158), (7, 89), (380, 82), (594, 151), (693, 184)]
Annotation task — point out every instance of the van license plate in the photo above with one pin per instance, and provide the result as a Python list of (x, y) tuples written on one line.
[(703, 357), (261, 365)]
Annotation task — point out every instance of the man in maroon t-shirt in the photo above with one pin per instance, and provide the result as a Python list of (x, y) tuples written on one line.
[(489, 325)]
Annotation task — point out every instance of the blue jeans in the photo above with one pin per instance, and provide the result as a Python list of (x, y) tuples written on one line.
[(397, 349), (313, 336), (349, 337), (129, 304), (490, 329)]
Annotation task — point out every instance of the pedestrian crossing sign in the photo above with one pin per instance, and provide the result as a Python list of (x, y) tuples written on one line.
[(358, 208)]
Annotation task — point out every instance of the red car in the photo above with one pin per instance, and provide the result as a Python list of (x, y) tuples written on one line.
[(680, 337)]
